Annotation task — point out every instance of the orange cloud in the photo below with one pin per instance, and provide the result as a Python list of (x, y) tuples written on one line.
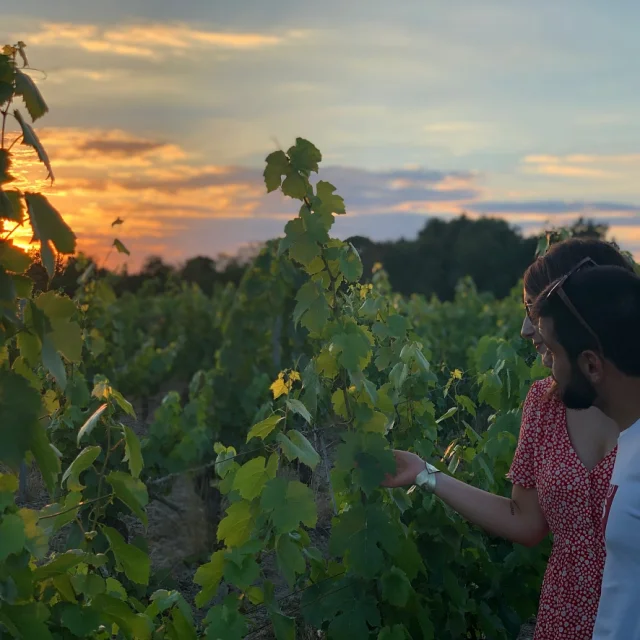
[(574, 165), (151, 40)]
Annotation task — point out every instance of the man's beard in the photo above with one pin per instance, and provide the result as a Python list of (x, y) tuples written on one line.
[(579, 392)]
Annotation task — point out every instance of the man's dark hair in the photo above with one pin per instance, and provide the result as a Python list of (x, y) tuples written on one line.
[(608, 299), (564, 255)]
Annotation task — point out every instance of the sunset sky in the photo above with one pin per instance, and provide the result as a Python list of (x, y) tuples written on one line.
[(162, 113)]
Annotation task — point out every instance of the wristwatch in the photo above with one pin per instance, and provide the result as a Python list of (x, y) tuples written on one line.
[(427, 479)]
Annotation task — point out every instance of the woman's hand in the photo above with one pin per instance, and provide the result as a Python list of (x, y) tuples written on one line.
[(408, 466)]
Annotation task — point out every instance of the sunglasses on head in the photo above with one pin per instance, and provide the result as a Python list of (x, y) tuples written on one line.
[(557, 289)]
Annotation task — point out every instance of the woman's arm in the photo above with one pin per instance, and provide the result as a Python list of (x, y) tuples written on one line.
[(518, 519)]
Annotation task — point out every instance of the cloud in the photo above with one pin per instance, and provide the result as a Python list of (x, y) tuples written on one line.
[(151, 40), (172, 198), (582, 165)]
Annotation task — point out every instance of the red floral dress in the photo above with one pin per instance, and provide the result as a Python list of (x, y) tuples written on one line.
[(571, 498)]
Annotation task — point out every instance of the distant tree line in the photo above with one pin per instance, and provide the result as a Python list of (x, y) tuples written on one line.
[(489, 250)]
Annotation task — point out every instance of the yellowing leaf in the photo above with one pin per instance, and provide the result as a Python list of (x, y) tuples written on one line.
[(250, 478), (208, 576), (264, 428), (279, 387), (235, 528)]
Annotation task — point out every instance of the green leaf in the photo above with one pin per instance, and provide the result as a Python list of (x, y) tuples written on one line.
[(46, 457), (350, 263), (294, 186), (59, 565), (5, 167), (33, 100), (136, 625), (289, 503), (396, 587), (13, 258), (11, 205), (8, 487), (225, 623), (12, 535), (133, 561), (368, 457), (208, 576), (241, 569), (53, 362), (251, 478), (301, 247), (81, 621), (290, 559), (316, 318), (397, 632), (467, 403), (328, 202), (354, 346), (236, 527), (82, 462), (27, 620), (450, 412), (133, 453), (361, 534), (49, 228), (263, 429), (284, 626), (19, 412), (296, 446), (304, 156), (297, 407), (30, 139), (131, 491), (92, 421), (120, 247), (23, 285), (277, 166)]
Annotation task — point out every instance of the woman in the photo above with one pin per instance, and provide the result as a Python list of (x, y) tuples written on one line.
[(560, 475)]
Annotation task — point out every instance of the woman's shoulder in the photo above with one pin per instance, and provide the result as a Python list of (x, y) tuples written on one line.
[(541, 399)]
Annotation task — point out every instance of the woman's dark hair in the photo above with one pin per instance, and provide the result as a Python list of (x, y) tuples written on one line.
[(563, 256)]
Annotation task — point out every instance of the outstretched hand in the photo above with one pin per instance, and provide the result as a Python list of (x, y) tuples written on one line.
[(408, 466)]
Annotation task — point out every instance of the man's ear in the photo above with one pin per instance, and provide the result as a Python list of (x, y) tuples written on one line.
[(592, 366)]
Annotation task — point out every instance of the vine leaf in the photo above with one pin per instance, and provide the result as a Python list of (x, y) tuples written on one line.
[(208, 576), (133, 453), (33, 100), (360, 534), (296, 446), (265, 427), (12, 535), (50, 229), (224, 621), (81, 463), (277, 166), (91, 422), (133, 561), (236, 527), (131, 491), (289, 503), (13, 258), (120, 247), (297, 407), (290, 558), (251, 478), (396, 587), (19, 413), (30, 139)]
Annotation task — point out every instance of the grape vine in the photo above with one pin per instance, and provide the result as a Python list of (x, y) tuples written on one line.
[(308, 379)]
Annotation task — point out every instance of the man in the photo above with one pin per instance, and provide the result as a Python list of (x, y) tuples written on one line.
[(590, 321)]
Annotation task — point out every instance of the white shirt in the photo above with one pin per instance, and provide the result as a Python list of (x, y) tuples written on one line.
[(619, 610)]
